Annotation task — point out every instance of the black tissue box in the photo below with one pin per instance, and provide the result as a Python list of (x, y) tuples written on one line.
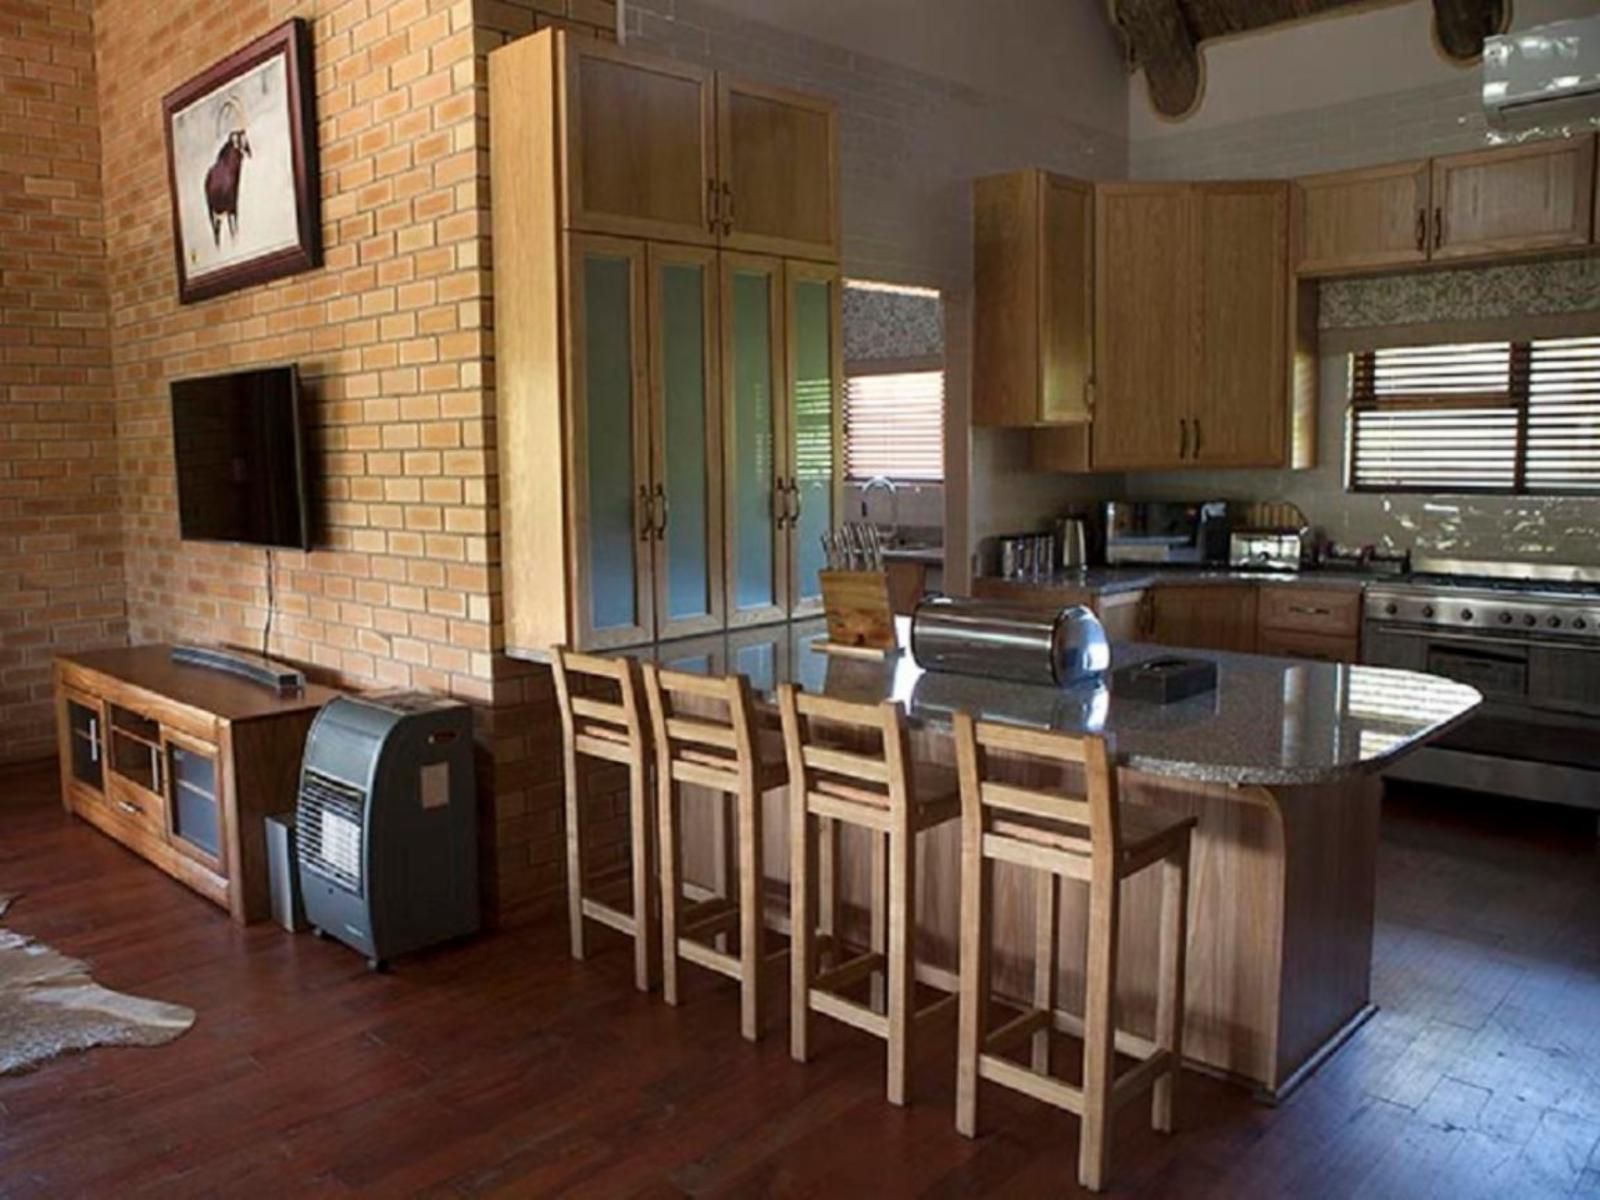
[(1165, 680)]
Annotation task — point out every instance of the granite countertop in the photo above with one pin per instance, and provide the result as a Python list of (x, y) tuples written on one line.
[(1270, 721), (1106, 581)]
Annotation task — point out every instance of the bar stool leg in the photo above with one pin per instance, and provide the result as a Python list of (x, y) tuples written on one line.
[(752, 928), (878, 912), (575, 856), (1099, 1028), (644, 903), (802, 923), (671, 887), (1170, 998), (902, 852), (977, 876), (828, 883), (1046, 936)]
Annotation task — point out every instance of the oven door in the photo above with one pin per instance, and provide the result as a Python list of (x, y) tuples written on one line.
[(1497, 669)]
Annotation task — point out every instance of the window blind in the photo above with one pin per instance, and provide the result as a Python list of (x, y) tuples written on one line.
[(1505, 417), (894, 426)]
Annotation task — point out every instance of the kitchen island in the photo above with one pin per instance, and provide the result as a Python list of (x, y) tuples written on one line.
[(1278, 764)]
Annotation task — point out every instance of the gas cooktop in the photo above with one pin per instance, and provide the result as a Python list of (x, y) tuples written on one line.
[(1494, 598)]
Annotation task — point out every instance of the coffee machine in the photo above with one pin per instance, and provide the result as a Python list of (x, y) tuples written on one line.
[(1167, 531)]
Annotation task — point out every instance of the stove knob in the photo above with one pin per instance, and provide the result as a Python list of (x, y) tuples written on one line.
[(1427, 610), (1579, 623), (1530, 619), (1554, 622), (1505, 618), (1466, 614), (1391, 609)]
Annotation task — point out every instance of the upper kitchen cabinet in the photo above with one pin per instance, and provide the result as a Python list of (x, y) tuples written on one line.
[(1538, 196), (1202, 347), (638, 148), (1143, 325), (1358, 220), (1033, 271), (1239, 406), (777, 166)]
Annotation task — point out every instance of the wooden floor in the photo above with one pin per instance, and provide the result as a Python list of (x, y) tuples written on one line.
[(503, 1068)]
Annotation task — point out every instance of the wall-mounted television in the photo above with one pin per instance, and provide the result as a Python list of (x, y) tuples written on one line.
[(239, 447)]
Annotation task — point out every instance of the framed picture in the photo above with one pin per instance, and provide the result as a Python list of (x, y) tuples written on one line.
[(242, 168)]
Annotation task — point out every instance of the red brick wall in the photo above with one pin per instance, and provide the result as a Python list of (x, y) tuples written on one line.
[(392, 334), (60, 554)]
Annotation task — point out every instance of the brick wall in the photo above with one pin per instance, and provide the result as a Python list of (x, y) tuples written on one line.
[(392, 337), (60, 539)]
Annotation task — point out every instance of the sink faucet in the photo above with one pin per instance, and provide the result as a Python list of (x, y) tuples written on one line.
[(884, 483)]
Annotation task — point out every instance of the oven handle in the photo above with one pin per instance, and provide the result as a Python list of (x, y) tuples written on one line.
[(1509, 649)]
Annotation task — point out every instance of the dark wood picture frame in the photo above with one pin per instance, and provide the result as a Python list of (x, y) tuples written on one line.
[(292, 40)]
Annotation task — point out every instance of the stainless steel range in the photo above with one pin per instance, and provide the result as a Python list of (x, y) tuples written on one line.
[(1526, 636)]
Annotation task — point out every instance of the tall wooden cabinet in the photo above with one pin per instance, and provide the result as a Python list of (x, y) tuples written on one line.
[(668, 400)]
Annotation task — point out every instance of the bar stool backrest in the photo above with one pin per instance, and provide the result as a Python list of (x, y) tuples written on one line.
[(833, 767), (713, 744), (1094, 811), (612, 729)]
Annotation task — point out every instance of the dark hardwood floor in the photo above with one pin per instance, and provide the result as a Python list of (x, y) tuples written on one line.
[(503, 1068)]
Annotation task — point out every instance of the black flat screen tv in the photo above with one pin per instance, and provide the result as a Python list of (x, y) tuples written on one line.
[(240, 454)]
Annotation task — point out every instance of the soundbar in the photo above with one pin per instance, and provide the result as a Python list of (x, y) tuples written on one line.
[(257, 668)]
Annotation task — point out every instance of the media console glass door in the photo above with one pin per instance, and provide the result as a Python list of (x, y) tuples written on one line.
[(86, 749), (195, 817)]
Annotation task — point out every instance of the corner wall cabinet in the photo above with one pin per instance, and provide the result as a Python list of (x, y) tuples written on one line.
[(669, 364), (1487, 204), (181, 765)]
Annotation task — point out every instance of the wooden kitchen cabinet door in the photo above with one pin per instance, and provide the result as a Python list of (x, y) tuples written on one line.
[(1144, 326), (778, 171), (1239, 406), (1204, 617), (1033, 286), (638, 144), (1532, 197), (1353, 220)]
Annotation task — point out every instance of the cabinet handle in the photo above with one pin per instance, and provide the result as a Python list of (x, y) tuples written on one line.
[(647, 518), (727, 208), (1304, 611), (1422, 229), (1438, 228), (1088, 395), (661, 526), (780, 502), (1183, 437), (132, 809), (94, 739), (794, 493), (1197, 437), (711, 204)]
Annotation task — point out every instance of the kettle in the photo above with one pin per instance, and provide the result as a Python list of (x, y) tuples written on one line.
[(1072, 536)]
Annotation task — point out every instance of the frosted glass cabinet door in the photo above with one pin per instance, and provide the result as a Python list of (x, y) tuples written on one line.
[(686, 441), (754, 447), (613, 518), (815, 384)]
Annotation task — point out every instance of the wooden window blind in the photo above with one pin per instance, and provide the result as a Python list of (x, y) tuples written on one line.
[(894, 425), (1494, 417)]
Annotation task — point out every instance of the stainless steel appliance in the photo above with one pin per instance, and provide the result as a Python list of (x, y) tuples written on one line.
[(1027, 555), (997, 641), (1526, 636), (1164, 531), (1072, 541), (1267, 549)]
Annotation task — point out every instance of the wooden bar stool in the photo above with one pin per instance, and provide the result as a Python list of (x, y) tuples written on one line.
[(892, 798), (714, 743), (611, 731), (1095, 840)]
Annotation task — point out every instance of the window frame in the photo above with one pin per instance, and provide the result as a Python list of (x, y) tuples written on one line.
[(1518, 400)]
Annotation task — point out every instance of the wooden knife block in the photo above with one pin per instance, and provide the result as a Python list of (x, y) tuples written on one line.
[(860, 616)]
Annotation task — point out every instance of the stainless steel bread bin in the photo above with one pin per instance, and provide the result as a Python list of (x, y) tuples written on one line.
[(1028, 645)]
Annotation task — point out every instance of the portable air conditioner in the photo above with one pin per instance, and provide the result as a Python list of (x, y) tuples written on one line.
[(386, 826), (1547, 75)]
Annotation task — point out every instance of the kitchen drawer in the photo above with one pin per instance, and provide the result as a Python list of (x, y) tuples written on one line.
[(1331, 612), (1318, 646)]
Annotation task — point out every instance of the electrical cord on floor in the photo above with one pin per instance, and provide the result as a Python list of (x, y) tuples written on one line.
[(266, 630)]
